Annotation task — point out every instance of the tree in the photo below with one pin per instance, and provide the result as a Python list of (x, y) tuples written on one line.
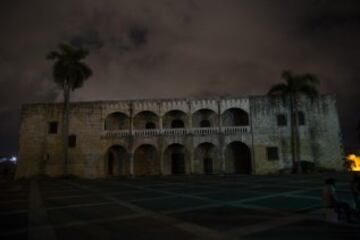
[(69, 73), (295, 85)]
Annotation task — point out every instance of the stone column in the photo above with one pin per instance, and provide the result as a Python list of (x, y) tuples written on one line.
[(189, 141), (131, 139), (221, 139), (131, 159)]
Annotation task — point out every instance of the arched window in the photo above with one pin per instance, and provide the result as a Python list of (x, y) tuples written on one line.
[(177, 124), (150, 125), (205, 123)]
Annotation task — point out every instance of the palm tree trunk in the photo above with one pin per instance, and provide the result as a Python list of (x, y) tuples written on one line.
[(295, 141), (65, 128)]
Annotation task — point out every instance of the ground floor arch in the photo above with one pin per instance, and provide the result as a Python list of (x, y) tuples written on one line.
[(238, 158), (117, 161), (206, 158), (146, 161), (176, 159)]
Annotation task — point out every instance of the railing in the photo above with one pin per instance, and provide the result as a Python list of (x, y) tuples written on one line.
[(176, 131), (147, 132), (116, 133), (204, 131), (236, 130)]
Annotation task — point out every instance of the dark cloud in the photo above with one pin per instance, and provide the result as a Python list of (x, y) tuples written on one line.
[(166, 48)]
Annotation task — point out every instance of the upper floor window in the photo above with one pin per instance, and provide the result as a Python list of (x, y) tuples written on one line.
[(150, 125), (53, 127), (205, 123), (272, 153), (281, 120), (72, 141), (301, 118), (177, 124)]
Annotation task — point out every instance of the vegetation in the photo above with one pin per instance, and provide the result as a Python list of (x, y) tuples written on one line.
[(69, 73), (295, 85)]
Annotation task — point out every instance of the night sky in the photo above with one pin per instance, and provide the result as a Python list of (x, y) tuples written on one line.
[(179, 48)]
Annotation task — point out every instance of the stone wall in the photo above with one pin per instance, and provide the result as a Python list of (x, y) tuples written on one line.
[(41, 152)]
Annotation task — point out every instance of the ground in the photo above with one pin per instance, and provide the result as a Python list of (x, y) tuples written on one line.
[(184, 207)]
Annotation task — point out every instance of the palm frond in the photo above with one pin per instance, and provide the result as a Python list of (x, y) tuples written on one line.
[(278, 89)]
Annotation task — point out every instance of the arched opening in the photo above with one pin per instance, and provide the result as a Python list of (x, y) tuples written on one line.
[(177, 124), (238, 158), (208, 166), (204, 118), (235, 117), (175, 119), (146, 161), (146, 120), (117, 121), (175, 155), (150, 125), (205, 156), (205, 123), (117, 161)]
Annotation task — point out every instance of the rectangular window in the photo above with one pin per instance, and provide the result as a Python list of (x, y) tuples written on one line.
[(72, 141), (272, 153), (301, 118), (53, 127), (281, 120)]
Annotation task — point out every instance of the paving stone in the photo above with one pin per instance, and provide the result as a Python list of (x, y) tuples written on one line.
[(170, 203), (139, 229), (308, 230), (104, 211), (63, 202), (223, 218), (230, 196), (286, 203)]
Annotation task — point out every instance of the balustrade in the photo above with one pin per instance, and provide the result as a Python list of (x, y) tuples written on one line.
[(176, 131)]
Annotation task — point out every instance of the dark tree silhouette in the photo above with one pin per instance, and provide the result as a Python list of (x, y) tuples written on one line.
[(69, 73), (295, 85)]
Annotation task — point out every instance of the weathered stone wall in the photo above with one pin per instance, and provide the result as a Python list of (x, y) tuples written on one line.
[(41, 152)]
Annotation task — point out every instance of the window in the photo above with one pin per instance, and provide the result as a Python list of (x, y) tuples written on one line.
[(272, 153), (281, 120), (301, 118), (150, 125), (205, 123), (72, 141), (177, 124), (53, 127)]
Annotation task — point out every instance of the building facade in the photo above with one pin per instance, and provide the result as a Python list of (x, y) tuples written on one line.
[(241, 135)]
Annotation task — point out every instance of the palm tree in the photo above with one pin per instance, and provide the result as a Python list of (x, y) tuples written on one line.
[(295, 85), (69, 73)]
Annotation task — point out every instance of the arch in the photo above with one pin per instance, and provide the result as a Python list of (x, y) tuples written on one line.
[(117, 121), (175, 119), (238, 158), (150, 125), (206, 156), (204, 118), (175, 156), (235, 117), (146, 161), (205, 124), (146, 120), (176, 123), (117, 161)]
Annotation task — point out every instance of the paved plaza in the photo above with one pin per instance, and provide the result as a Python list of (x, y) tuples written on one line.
[(183, 207)]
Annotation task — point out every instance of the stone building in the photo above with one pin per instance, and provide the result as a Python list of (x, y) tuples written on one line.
[(244, 135)]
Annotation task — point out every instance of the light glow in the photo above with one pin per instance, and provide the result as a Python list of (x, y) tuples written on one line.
[(355, 165)]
